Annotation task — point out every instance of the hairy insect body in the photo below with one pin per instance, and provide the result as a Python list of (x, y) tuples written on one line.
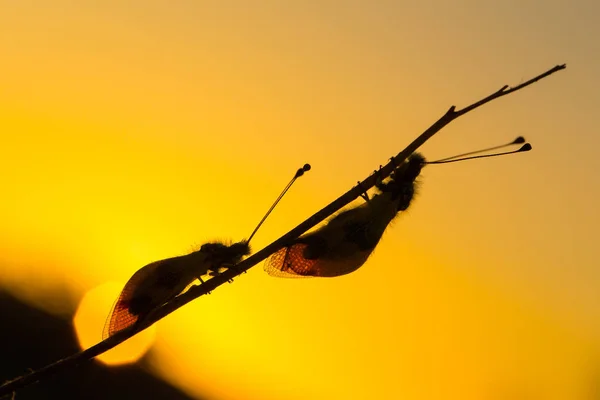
[(159, 282), (347, 240)]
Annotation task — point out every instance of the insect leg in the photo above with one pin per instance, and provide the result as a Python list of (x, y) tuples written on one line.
[(364, 193), (214, 273), (379, 182), (202, 280)]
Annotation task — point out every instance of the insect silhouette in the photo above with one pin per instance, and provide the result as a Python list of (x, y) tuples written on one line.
[(346, 241), (159, 282)]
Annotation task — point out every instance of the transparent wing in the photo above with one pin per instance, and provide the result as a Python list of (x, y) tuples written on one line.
[(290, 262), (120, 318)]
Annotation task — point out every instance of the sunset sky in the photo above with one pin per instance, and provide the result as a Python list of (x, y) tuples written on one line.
[(134, 131)]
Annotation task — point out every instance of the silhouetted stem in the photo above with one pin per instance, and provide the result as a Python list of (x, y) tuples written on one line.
[(197, 291)]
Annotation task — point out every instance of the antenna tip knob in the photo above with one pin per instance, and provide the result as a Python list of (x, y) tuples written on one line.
[(519, 140), (526, 147), (302, 170)]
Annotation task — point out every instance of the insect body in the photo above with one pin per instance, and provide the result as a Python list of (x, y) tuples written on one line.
[(345, 243), (159, 282), (347, 240)]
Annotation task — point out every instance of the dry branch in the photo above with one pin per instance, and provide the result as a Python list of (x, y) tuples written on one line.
[(197, 291)]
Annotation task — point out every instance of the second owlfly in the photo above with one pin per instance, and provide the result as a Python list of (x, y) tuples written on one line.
[(159, 282), (346, 241)]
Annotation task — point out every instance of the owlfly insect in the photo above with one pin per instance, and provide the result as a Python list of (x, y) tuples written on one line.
[(159, 282), (346, 241)]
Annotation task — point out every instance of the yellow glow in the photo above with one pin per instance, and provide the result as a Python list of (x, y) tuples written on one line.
[(89, 321), (134, 133)]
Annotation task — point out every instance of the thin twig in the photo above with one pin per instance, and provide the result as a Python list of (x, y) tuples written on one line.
[(213, 283)]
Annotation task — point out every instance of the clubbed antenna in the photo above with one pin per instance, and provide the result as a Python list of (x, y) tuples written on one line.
[(299, 173), (461, 157)]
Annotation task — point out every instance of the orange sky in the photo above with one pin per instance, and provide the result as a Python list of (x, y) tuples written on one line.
[(133, 132)]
